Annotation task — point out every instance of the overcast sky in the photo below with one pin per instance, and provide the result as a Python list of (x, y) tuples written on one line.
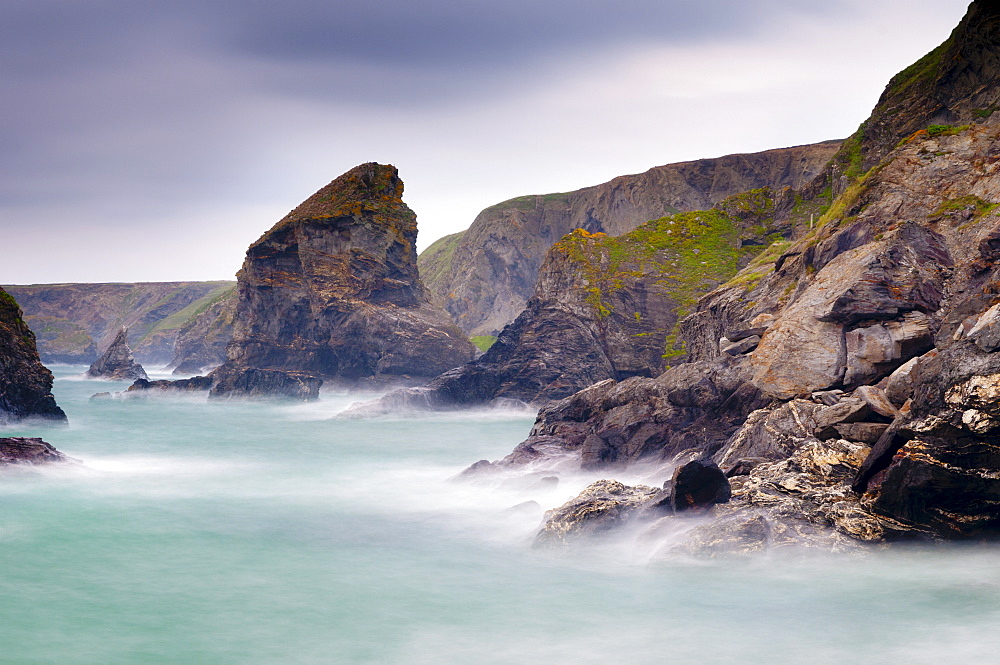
[(155, 141)]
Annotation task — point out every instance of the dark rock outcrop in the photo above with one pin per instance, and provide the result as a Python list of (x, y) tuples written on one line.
[(25, 384), (117, 362), (332, 292), (697, 485), (484, 276), (32, 451)]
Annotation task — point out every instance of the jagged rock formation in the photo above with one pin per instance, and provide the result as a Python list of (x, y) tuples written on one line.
[(117, 362), (72, 321), (609, 307), (30, 451), (484, 276), (332, 292), (865, 410), (25, 384), (201, 342)]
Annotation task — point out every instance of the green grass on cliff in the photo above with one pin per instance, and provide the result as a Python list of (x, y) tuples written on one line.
[(483, 342), (182, 316), (435, 262), (687, 254)]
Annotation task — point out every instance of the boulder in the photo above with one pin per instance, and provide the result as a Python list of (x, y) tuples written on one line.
[(698, 485), (602, 507)]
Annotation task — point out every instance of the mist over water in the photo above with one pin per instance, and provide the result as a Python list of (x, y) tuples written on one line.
[(244, 533)]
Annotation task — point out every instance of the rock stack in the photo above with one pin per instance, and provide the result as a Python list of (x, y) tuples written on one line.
[(117, 362)]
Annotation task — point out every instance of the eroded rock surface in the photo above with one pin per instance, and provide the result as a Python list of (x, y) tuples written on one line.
[(331, 292), (25, 384)]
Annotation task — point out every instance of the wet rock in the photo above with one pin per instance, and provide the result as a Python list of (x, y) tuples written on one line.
[(117, 362), (602, 507), (698, 485), (33, 451), (194, 384), (266, 383)]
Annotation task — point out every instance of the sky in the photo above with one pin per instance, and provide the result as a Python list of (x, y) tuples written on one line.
[(154, 141)]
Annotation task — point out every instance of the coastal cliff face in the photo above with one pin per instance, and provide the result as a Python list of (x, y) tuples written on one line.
[(484, 276), (201, 341), (25, 384), (73, 321), (864, 410), (610, 307), (332, 292)]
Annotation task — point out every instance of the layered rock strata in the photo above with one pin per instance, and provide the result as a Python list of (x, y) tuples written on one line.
[(117, 362), (484, 276), (25, 384), (331, 292)]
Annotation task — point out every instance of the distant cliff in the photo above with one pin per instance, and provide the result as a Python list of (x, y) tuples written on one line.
[(485, 275), (332, 292), (25, 384), (71, 321), (201, 341)]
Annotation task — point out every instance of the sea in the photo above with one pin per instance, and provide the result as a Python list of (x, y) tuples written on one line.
[(239, 533)]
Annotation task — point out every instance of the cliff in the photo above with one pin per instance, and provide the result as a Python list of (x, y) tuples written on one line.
[(484, 276), (332, 292), (610, 307), (25, 384), (201, 341), (866, 409), (72, 321)]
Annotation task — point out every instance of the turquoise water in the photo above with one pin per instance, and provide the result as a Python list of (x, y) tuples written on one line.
[(268, 533)]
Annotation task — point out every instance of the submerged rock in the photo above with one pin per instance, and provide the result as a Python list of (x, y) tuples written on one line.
[(117, 362), (331, 292)]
